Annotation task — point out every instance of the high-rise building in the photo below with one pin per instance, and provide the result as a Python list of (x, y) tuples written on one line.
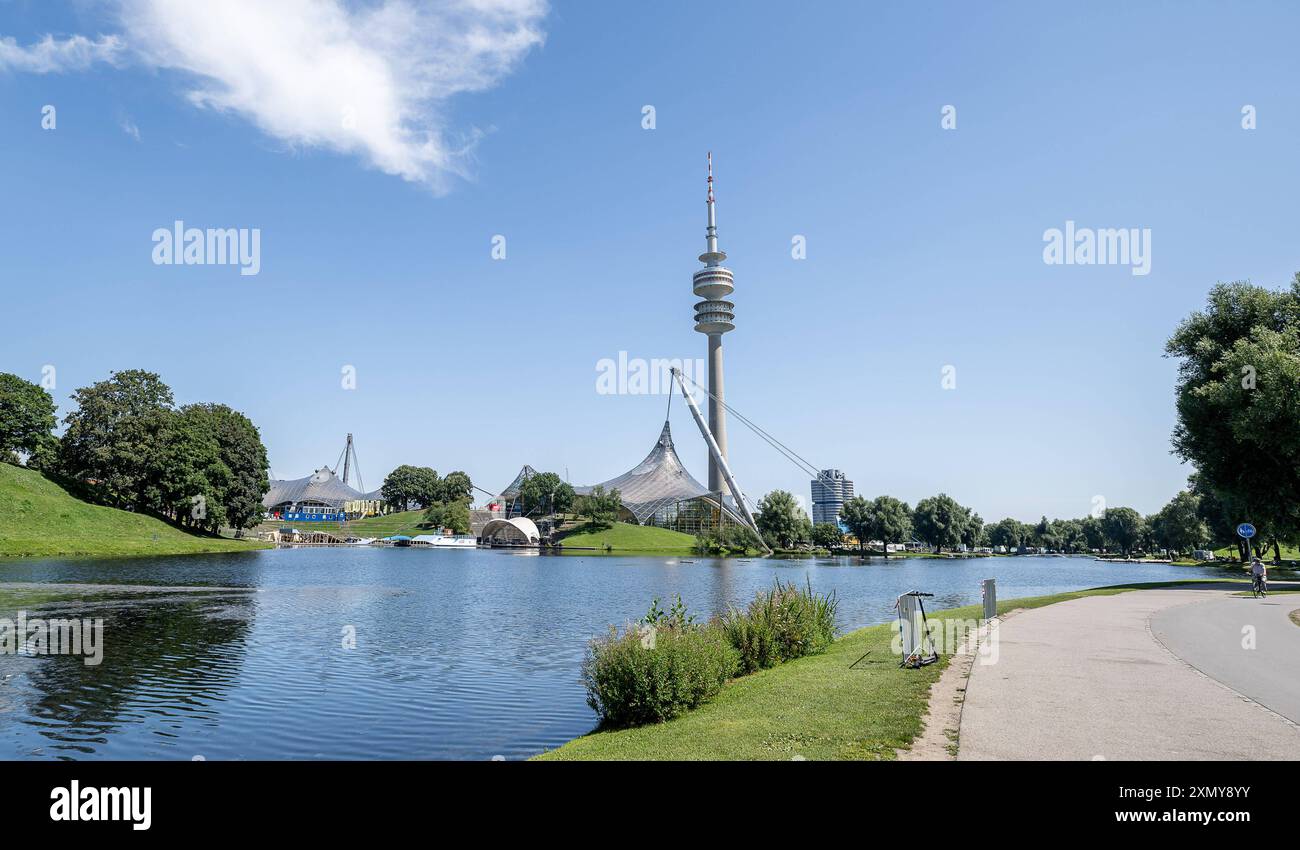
[(830, 490), (714, 317)]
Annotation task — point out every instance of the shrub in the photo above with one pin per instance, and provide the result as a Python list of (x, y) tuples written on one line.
[(779, 625), (668, 664), (726, 540), (656, 670)]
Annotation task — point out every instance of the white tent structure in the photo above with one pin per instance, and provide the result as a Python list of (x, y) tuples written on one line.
[(516, 530)]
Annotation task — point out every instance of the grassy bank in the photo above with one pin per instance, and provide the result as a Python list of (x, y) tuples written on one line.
[(625, 538), (38, 518), (1289, 553), (814, 707)]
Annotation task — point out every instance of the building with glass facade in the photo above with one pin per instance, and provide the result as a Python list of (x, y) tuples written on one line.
[(830, 490)]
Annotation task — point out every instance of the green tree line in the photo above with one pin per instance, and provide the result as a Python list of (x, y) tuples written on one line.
[(940, 522), (128, 445)]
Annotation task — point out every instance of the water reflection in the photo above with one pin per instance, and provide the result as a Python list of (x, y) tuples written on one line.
[(168, 660), (457, 654)]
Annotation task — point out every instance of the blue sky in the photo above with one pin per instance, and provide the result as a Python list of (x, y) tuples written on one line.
[(924, 245)]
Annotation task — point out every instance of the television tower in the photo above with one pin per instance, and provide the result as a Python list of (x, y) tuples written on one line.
[(714, 317)]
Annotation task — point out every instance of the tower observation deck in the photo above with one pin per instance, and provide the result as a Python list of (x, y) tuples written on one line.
[(714, 316)]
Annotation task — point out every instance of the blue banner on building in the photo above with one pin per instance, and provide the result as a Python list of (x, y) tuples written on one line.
[(302, 517)]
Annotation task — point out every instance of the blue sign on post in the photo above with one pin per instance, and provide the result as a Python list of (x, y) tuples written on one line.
[(1246, 530)]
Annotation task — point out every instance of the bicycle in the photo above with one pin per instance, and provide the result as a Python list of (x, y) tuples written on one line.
[(1259, 587)]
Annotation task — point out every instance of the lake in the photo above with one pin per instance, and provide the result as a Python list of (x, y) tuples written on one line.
[(458, 654)]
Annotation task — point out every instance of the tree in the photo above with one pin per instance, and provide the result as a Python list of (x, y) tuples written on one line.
[(857, 515), (113, 433), (972, 535), (1072, 535), (455, 487), (1211, 509), (827, 535), (411, 485), (1147, 537), (452, 516), (1178, 525), (240, 449), (781, 520), (26, 418), (1040, 532), (1123, 527), (456, 517), (1056, 537), (1094, 532), (599, 507), (1238, 380), (726, 539), (940, 521), (891, 521), (546, 492), (1005, 532), (185, 477)]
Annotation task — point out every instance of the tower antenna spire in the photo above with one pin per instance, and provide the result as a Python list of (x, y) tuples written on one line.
[(711, 234)]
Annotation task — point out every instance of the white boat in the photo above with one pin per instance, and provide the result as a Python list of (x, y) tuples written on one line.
[(459, 541), (359, 541)]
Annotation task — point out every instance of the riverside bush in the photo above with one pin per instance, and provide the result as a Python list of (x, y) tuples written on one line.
[(655, 671), (726, 540), (779, 625), (668, 664)]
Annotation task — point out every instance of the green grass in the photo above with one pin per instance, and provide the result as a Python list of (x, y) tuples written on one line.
[(39, 518), (625, 537), (1289, 553), (814, 707)]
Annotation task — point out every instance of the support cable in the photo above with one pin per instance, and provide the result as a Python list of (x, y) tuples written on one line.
[(790, 454)]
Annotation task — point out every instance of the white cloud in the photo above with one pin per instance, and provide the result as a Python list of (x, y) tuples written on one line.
[(50, 55), (129, 127), (371, 80)]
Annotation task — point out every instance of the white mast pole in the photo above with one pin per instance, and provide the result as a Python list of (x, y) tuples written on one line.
[(721, 461)]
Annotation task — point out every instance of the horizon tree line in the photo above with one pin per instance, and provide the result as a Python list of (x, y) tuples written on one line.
[(940, 522)]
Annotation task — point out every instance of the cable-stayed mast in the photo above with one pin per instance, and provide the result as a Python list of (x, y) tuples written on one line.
[(715, 454)]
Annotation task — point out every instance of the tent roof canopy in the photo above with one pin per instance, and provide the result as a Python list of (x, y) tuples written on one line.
[(659, 480), (512, 492), (321, 487)]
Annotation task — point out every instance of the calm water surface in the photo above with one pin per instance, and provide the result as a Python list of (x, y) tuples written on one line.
[(459, 654)]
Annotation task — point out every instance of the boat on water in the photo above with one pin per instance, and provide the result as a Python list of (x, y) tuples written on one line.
[(359, 541), (458, 541)]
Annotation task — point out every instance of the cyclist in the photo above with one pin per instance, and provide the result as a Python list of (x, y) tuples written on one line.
[(1259, 576)]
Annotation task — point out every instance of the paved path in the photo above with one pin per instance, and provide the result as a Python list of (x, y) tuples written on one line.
[(1087, 678), (1212, 637)]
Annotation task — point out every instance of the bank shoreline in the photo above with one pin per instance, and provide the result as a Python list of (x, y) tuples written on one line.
[(851, 703), (41, 519)]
